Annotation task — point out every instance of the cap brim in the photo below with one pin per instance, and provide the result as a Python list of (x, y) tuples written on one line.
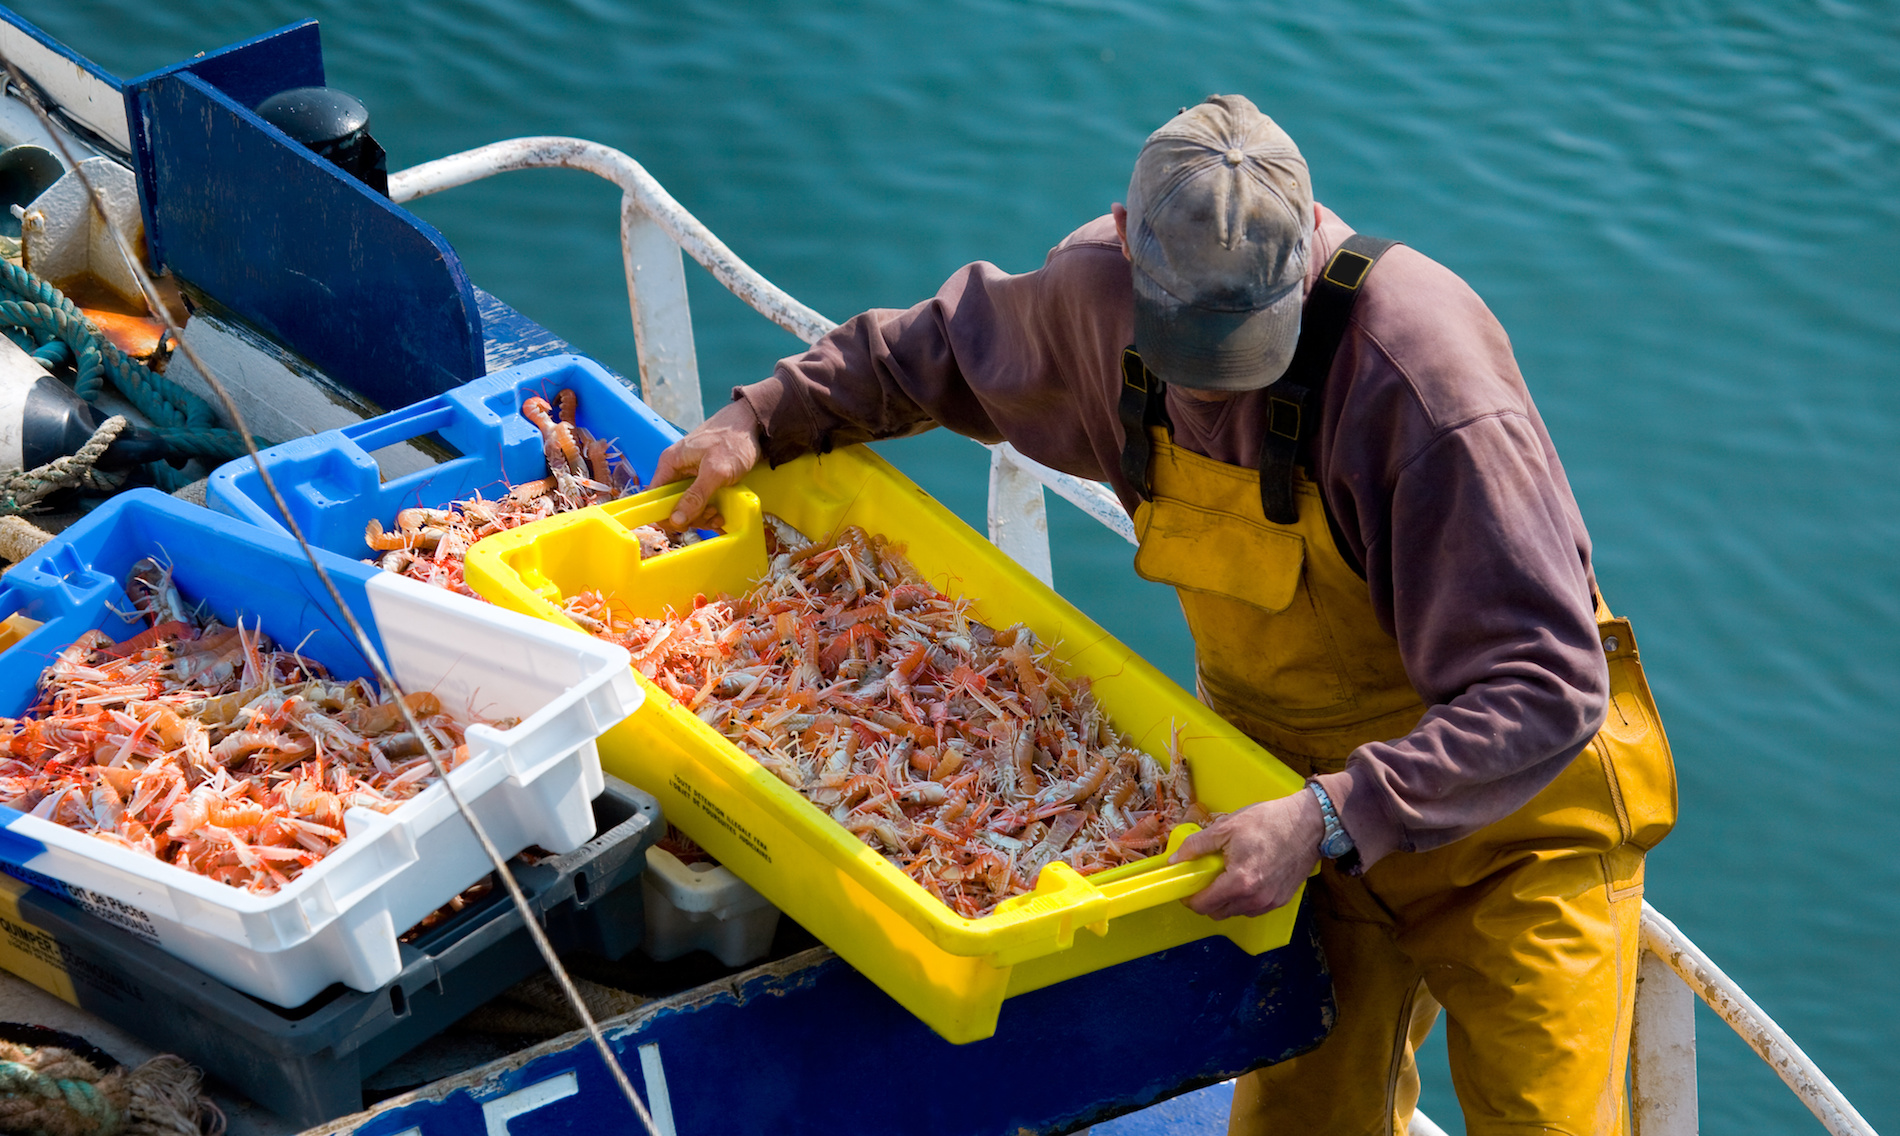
[(1208, 349)]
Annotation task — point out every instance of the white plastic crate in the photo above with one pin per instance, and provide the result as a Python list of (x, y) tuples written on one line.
[(338, 921), (703, 907)]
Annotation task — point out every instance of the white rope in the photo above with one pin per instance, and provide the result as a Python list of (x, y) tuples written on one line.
[(21, 490), (19, 539)]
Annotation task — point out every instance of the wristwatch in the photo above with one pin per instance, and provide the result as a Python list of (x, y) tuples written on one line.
[(1336, 845)]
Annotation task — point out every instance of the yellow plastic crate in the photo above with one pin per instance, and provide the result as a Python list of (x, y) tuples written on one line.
[(950, 971)]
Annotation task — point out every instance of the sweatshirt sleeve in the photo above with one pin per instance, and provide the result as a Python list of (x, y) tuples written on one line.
[(1484, 586), (992, 355)]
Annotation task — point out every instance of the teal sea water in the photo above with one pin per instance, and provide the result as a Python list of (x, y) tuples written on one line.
[(1687, 214)]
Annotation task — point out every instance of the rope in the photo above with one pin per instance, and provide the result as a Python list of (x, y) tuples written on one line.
[(61, 333), (21, 491), (20, 538), (48, 1090), (64, 1096)]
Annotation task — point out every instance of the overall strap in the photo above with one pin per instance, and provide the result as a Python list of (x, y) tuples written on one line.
[(1296, 400), (1140, 406)]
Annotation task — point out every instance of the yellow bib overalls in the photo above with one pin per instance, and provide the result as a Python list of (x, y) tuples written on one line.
[(1525, 932)]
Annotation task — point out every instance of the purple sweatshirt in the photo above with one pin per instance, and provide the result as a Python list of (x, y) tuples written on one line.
[(1430, 455)]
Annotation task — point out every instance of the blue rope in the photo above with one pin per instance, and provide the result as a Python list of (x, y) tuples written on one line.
[(59, 333)]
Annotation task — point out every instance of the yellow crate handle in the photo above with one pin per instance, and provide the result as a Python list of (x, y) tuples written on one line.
[(1155, 881)]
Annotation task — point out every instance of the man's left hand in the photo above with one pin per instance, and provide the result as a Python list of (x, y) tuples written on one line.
[(1270, 848)]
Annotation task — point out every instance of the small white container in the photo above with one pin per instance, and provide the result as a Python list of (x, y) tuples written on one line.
[(338, 921), (703, 907)]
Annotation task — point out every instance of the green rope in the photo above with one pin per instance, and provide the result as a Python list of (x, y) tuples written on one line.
[(60, 331), (80, 1101)]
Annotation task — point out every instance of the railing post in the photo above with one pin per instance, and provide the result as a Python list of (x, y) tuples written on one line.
[(1662, 1052), (1019, 524), (662, 323)]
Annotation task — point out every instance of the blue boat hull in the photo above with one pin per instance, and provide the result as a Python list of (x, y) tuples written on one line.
[(808, 1045)]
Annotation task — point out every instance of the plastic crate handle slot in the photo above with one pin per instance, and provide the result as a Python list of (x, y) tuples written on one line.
[(1154, 881), (1072, 899), (57, 585), (1063, 900), (738, 506), (533, 568), (383, 848), (390, 429)]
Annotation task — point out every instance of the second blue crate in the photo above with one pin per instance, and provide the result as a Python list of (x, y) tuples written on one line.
[(334, 486)]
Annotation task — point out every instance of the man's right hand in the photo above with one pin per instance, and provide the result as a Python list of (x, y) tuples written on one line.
[(716, 454)]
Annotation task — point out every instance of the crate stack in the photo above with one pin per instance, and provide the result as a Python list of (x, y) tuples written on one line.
[(293, 998)]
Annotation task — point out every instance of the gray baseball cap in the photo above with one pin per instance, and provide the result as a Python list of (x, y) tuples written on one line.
[(1220, 220)]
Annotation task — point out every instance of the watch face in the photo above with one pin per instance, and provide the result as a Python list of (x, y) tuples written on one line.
[(1335, 845)]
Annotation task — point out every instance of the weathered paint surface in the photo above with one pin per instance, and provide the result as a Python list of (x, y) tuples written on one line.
[(643, 193), (88, 96), (1662, 1053), (1092, 497), (1019, 522), (807, 1045), (366, 291), (1755, 1027), (508, 337)]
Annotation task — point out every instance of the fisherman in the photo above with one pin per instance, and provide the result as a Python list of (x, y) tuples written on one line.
[(1330, 454)]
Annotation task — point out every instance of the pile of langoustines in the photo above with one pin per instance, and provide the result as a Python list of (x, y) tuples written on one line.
[(954, 749)]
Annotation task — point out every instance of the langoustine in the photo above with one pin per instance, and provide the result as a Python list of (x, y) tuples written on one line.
[(429, 544), (954, 749), (206, 747)]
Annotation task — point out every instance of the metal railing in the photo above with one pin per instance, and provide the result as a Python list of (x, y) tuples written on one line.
[(655, 229)]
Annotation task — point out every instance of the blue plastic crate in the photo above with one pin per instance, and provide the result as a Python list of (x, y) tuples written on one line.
[(76, 584), (529, 784), (334, 487)]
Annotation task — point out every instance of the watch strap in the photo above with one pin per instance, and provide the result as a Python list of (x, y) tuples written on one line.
[(1336, 844)]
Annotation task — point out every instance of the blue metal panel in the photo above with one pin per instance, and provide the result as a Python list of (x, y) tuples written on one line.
[(361, 287), (1202, 1112), (808, 1045), (510, 338), (249, 72), (256, 69)]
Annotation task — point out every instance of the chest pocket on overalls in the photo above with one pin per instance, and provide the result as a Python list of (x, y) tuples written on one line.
[(1261, 644)]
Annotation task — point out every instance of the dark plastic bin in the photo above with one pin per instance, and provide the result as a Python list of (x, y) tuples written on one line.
[(308, 1064), (334, 487)]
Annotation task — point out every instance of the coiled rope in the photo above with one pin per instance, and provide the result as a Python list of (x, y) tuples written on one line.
[(59, 333), (52, 1090)]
